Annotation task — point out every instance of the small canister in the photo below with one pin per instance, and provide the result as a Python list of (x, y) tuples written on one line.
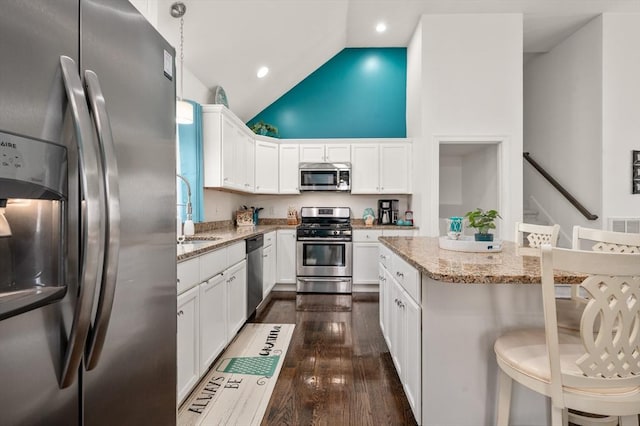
[(408, 217)]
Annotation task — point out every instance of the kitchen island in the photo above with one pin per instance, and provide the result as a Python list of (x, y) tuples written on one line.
[(466, 301)]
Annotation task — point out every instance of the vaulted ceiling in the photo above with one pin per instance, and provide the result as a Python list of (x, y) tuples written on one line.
[(226, 41)]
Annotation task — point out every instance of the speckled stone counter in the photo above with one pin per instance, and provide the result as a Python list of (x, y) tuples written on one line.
[(424, 254), (359, 224), (203, 242)]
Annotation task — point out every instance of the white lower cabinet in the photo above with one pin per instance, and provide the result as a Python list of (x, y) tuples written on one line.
[(365, 261), (209, 314), (213, 319), (236, 297), (383, 314), (366, 254), (268, 270), (286, 257), (412, 357), (401, 323), (187, 341)]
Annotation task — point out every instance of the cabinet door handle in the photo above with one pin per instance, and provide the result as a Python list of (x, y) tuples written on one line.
[(180, 312), (400, 274)]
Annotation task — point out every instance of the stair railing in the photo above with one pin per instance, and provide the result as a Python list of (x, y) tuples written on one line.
[(586, 213)]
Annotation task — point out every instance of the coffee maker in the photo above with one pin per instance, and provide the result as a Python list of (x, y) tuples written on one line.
[(387, 212)]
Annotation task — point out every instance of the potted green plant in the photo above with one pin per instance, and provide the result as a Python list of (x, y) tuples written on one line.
[(264, 129), (483, 221)]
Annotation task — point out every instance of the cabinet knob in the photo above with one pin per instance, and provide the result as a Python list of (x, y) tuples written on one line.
[(178, 280)]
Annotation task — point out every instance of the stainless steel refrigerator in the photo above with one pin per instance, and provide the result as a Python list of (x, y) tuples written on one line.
[(87, 216)]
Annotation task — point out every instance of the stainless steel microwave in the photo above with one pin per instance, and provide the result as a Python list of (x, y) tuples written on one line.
[(325, 177)]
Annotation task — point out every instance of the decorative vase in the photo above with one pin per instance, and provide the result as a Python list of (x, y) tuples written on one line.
[(454, 227), (483, 237)]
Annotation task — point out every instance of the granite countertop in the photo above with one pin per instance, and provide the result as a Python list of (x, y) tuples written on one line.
[(424, 254), (374, 227), (203, 242), (359, 224)]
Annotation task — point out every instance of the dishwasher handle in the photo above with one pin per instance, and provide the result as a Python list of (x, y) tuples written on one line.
[(255, 243)]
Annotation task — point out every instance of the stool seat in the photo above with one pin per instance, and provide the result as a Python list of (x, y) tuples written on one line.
[(525, 351), (593, 369)]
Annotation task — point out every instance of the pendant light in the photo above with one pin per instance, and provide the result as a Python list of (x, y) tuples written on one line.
[(184, 110)]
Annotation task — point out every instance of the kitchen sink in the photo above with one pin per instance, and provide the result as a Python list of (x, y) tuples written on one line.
[(208, 240), (200, 242)]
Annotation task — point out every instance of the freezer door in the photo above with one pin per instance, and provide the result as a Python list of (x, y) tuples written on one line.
[(34, 35), (134, 380)]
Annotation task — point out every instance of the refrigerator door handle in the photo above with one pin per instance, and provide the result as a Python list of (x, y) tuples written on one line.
[(98, 107), (93, 234)]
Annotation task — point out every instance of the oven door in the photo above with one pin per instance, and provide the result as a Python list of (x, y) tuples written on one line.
[(324, 258)]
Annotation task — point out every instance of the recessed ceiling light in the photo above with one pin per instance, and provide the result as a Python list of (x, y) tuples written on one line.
[(381, 27), (262, 72)]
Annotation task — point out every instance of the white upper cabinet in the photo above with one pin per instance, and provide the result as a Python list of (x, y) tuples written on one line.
[(321, 153), (364, 169), (247, 163), (382, 168), (395, 168), (266, 167), (235, 159), (288, 169), (228, 148)]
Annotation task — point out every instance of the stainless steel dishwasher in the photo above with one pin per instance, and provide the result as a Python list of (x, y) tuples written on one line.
[(254, 273)]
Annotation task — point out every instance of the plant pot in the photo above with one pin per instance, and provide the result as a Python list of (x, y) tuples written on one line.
[(483, 237)]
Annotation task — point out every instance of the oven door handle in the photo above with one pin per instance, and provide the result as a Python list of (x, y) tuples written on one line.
[(329, 279), (334, 241)]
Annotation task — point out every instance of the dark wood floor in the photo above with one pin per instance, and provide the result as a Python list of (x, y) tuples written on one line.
[(338, 370)]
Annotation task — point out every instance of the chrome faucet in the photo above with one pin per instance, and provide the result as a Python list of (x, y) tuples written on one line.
[(188, 223), (189, 207)]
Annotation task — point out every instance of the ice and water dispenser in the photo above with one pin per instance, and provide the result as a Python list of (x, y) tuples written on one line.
[(33, 200)]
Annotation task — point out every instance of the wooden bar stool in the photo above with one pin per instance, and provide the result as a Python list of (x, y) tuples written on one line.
[(595, 370)]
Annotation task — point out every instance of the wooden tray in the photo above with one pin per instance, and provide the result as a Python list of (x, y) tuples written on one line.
[(468, 244)]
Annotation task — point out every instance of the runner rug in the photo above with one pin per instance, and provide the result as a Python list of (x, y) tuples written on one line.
[(237, 389)]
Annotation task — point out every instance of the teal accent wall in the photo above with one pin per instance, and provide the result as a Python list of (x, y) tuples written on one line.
[(359, 93)]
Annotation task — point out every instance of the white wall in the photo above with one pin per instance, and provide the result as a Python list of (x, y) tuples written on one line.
[(621, 106), (471, 85), (480, 177), (563, 125), (221, 205), (468, 179)]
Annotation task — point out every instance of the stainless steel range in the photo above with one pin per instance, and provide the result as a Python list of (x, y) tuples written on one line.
[(324, 250)]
